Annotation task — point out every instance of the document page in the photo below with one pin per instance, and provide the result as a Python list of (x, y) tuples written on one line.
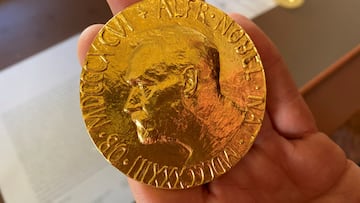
[(46, 154)]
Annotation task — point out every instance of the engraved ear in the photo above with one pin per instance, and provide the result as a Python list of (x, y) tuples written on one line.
[(191, 81)]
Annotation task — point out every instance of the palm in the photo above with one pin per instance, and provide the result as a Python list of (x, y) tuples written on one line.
[(280, 170), (289, 162)]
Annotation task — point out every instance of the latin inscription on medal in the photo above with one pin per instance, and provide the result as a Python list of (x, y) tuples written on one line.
[(173, 92)]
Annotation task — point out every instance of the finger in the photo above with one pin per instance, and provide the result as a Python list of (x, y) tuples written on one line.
[(287, 109), (146, 194), (85, 40), (117, 5)]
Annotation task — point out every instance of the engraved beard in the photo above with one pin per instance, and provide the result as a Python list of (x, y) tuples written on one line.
[(144, 127), (159, 116), (164, 121), (172, 128)]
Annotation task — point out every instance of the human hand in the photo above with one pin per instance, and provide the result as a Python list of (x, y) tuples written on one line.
[(290, 161)]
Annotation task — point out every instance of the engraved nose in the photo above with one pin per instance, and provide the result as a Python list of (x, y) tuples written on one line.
[(134, 101)]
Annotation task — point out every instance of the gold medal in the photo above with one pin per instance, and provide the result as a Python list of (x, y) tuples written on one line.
[(173, 92)]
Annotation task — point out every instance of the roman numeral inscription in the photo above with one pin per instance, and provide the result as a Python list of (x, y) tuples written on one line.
[(92, 85), (148, 172), (92, 88), (110, 53), (92, 102)]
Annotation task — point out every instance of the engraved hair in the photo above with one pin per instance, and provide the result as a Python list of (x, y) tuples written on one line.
[(183, 47)]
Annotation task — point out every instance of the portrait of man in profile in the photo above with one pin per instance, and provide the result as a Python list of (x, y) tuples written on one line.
[(175, 98)]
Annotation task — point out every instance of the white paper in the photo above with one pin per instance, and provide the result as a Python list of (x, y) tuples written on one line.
[(45, 152)]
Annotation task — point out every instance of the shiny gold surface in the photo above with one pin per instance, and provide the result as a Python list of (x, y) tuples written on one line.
[(291, 4), (173, 92)]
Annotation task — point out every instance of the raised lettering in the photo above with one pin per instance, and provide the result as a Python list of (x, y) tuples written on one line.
[(145, 171), (179, 8), (201, 16), (249, 70), (142, 13), (247, 51), (122, 26), (134, 164), (167, 179), (106, 38), (92, 77), (245, 47), (217, 166), (96, 118), (193, 178), (91, 88), (212, 174), (236, 35), (140, 168), (110, 141), (250, 118), (165, 6), (224, 24), (231, 155), (117, 153), (200, 172), (256, 102), (225, 159), (92, 101), (96, 63), (156, 173), (177, 178)]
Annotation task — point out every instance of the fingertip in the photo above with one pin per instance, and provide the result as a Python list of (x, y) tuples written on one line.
[(85, 40)]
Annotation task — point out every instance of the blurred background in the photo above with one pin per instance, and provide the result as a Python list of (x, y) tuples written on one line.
[(319, 39)]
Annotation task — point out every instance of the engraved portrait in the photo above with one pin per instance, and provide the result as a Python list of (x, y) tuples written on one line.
[(175, 95), (172, 95)]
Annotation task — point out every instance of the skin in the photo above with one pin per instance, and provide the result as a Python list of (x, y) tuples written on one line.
[(291, 161)]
